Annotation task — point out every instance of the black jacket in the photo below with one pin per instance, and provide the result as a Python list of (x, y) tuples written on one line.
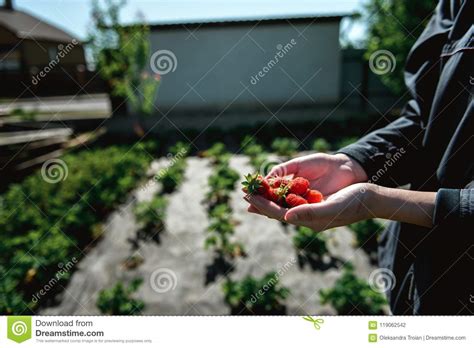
[(431, 148)]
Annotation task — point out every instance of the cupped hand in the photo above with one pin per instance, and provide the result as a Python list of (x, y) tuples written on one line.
[(348, 205), (326, 173)]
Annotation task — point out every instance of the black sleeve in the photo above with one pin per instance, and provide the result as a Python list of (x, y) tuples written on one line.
[(386, 153), (454, 205)]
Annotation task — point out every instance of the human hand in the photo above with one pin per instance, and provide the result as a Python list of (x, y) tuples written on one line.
[(344, 207), (325, 173)]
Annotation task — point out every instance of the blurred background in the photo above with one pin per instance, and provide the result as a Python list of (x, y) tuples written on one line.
[(127, 126)]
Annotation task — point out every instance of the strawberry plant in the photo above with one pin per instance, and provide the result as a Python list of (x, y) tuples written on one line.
[(310, 243), (367, 233), (217, 153), (173, 175), (180, 149), (255, 295), (221, 183), (151, 215), (285, 147), (352, 295), (250, 147), (321, 145), (346, 141), (119, 300), (256, 153)]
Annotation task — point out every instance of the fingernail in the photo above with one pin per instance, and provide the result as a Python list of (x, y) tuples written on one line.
[(291, 217)]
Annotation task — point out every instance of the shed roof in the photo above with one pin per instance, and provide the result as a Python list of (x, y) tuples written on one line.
[(26, 26), (242, 20)]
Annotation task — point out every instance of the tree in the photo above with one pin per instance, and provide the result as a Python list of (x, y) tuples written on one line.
[(121, 54), (394, 26)]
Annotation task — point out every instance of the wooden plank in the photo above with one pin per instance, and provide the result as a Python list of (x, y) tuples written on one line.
[(11, 138)]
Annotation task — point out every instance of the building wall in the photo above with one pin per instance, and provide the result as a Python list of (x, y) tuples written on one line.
[(216, 64), (37, 53), (6, 37)]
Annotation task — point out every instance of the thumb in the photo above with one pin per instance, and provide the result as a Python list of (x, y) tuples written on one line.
[(304, 212)]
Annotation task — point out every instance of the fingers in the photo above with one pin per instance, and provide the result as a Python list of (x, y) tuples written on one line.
[(253, 210), (312, 213), (266, 207), (300, 214), (283, 169)]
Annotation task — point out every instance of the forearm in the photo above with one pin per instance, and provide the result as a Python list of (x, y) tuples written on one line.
[(414, 207)]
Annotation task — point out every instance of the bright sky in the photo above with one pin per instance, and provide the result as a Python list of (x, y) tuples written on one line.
[(74, 15)]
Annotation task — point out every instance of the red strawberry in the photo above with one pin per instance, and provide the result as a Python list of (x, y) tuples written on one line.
[(273, 195), (313, 196), (255, 183), (299, 186), (278, 181), (294, 200), (264, 186)]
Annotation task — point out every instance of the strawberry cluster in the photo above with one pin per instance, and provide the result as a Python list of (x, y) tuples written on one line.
[(283, 191)]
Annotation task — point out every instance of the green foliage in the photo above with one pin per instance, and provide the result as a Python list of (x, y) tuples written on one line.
[(255, 295), (394, 25), (366, 230), (172, 176), (310, 242), (121, 54), (346, 141), (46, 224), (250, 147), (180, 149), (25, 115), (221, 183), (285, 146), (151, 215), (220, 230), (352, 295), (256, 153), (118, 300), (321, 145), (216, 151)]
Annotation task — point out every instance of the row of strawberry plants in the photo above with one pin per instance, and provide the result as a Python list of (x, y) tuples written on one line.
[(283, 147), (150, 215), (221, 224), (251, 295), (46, 223)]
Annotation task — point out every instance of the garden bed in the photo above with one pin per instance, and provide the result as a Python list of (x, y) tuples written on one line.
[(180, 251)]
